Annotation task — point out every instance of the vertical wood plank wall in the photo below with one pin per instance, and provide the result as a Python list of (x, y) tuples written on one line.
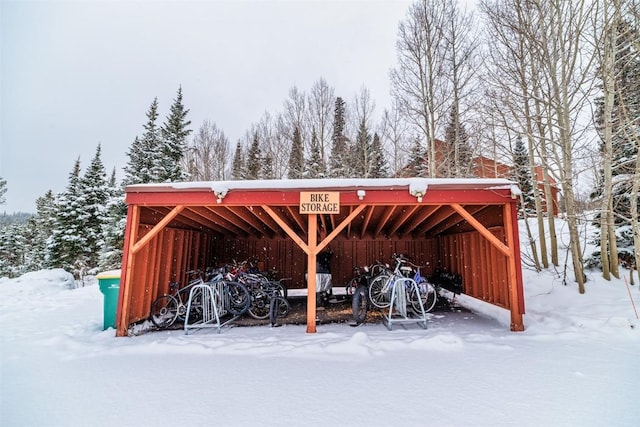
[(166, 258), (482, 267)]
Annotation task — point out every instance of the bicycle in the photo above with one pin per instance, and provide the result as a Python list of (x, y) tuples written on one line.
[(168, 308), (380, 288)]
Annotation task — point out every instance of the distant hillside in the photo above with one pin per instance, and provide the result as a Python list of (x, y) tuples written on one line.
[(14, 218)]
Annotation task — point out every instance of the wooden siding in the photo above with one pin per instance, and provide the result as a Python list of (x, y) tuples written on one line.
[(165, 259), (483, 268)]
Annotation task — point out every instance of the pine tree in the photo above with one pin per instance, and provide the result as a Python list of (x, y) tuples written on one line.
[(314, 165), (174, 134), (3, 190), (296, 158), (457, 158), (253, 166), (418, 166), (40, 229), (12, 250), (267, 167), (114, 226), (361, 160), (66, 244), (145, 163), (378, 165), (237, 171), (94, 216), (338, 159), (522, 174)]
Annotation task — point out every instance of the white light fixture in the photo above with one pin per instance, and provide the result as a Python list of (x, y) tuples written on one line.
[(361, 194), (515, 191), (418, 188), (220, 195)]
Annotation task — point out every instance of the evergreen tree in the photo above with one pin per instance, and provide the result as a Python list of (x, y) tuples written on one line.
[(237, 171), (418, 166), (361, 160), (66, 244), (457, 157), (145, 163), (267, 167), (296, 158), (378, 165), (114, 226), (253, 166), (94, 215), (522, 174), (174, 134), (314, 165), (40, 229), (338, 161), (3, 190), (12, 250)]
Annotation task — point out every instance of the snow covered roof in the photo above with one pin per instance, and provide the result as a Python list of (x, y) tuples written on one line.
[(412, 184)]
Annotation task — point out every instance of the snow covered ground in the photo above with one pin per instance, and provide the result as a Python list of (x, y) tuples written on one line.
[(576, 364)]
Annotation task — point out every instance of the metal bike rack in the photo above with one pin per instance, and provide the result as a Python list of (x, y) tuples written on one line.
[(215, 303), (399, 303)]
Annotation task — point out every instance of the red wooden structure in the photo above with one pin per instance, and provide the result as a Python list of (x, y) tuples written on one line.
[(468, 226)]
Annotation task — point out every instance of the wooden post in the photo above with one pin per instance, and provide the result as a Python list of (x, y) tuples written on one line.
[(311, 274), (131, 235), (517, 325)]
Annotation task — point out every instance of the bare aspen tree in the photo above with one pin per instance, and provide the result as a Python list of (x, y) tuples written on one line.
[(511, 70), (607, 40), (320, 102), (209, 155), (418, 83), (273, 144), (568, 74), (462, 66), (295, 112), (395, 132), (628, 96)]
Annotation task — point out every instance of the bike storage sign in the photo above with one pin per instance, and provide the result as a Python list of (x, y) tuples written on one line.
[(323, 202)]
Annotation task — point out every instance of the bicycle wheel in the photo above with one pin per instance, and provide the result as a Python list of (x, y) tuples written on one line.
[(278, 307), (164, 311), (378, 291), (239, 298), (259, 308), (279, 287), (351, 287), (428, 296), (359, 304)]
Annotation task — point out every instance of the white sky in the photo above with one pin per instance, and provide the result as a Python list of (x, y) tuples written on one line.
[(75, 74)]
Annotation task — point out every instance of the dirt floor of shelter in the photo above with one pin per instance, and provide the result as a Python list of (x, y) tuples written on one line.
[(337, 311)]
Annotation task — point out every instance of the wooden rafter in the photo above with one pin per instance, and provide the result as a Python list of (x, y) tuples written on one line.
[(249, 218), (408, 211), (453, 221), (365, 222), (156, 229), (420, 216), (297, 218), (436, 218), (482, 229), (383, 221)]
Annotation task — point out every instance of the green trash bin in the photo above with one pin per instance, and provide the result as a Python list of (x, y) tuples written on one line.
[(109, 282)]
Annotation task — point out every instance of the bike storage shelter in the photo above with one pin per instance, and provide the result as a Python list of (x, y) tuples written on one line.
[(466, 226)]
